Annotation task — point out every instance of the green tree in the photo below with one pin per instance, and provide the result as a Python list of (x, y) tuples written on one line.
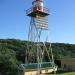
[(8, 62)]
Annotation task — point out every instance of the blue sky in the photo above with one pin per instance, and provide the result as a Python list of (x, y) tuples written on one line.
[(14, 23)]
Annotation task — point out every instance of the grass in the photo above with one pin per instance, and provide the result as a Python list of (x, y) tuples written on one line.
[(69, 73)]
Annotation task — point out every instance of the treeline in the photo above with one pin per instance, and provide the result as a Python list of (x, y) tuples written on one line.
[(13, 53)]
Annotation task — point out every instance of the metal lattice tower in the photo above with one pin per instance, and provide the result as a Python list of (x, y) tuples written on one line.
[(38, 23)]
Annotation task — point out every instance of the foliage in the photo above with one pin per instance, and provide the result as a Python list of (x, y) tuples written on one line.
[(8, 62), (13, 53)]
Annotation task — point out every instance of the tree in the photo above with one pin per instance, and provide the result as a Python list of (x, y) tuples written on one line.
[(8, 62)]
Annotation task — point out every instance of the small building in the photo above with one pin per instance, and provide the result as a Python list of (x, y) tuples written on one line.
[(32, 69), (67, 64)]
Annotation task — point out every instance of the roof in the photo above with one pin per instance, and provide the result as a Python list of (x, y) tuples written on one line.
[(35, 65)]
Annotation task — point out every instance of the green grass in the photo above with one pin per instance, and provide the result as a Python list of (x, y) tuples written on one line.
[(69, 73)]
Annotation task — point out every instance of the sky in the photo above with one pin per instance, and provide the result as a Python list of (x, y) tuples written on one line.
[(15, 24)]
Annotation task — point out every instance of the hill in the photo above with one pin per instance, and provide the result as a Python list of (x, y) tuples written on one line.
[(13, 52)]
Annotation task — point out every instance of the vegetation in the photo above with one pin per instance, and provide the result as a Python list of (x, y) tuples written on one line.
[(13, 53)]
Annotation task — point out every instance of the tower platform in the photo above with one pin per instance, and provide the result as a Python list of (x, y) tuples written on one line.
[(32, 13)]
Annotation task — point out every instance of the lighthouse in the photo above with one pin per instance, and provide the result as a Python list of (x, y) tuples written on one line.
[(36, 50), (38, 15)]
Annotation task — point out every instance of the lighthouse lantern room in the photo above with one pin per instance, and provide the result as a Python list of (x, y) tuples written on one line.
[(37, 9)]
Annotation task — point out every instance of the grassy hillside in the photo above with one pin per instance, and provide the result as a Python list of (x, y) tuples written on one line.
[(13, 53)]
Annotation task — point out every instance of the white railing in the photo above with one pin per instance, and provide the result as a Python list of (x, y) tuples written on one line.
[(30, 10)]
